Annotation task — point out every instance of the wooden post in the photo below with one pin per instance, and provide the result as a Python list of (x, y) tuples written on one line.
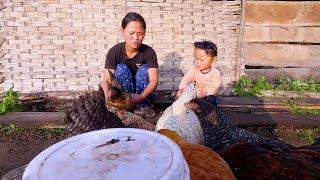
[(240, 39)]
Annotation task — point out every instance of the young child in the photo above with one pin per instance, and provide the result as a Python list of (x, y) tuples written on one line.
[(207, 77)]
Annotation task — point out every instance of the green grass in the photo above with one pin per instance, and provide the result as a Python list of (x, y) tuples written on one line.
[(12, 129), (308, 135), (295, 109)]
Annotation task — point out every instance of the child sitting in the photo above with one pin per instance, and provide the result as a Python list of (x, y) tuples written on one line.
[(207, 77)]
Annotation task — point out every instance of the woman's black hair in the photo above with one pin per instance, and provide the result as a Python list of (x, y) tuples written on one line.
[(132, 16), (207, 46)]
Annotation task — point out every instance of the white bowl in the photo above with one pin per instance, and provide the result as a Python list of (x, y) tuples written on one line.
[(120, 153)]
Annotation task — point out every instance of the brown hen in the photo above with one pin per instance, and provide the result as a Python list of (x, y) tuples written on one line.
[(202, 161), (117, 96)]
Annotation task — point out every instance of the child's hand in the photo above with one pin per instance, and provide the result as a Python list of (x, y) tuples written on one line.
[(201, 94)]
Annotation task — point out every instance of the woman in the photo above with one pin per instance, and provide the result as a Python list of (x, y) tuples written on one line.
[(134, 64)]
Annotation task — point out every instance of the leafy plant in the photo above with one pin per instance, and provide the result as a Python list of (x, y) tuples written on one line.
[(309, 85), (262, 84), (8, 129), (11, 102), (245, 86)]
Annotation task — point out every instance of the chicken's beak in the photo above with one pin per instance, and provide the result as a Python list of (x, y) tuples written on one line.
[(111, 93)]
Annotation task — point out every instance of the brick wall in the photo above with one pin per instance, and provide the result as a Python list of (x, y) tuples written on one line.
[(55, 45)]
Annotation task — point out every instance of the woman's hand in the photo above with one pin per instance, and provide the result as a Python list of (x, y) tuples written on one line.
[(137, 98), (106, 81)]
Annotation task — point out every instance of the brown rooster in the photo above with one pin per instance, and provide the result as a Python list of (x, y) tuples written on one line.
[(202, 161), (89, 113), (117, 96)]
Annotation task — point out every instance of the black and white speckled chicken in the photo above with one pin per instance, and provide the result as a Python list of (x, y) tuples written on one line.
[(132, 120), (89, 113), (179, 118), (218, 130)]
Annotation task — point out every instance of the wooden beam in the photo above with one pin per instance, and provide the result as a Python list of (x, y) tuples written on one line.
[(239, 57), (272, 102), (282, 55), (55, 119), (272, 75), (34, 119), (276, 119), (292, 34), (280, 13)]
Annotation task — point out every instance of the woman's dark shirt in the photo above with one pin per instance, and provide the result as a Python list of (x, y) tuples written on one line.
[(145, 55)]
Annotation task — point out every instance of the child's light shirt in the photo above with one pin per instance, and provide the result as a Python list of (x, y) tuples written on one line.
[(207, 84)]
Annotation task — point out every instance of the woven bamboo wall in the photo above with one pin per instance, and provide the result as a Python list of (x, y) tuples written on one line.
[(54, 45)]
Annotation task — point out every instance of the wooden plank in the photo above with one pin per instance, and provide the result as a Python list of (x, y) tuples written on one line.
[(282, 34), (279, 13), (273, 75), (262, 101), (34, 119), (265, 103), (276, 119), (291, 94), (55, 119), (281, 55)]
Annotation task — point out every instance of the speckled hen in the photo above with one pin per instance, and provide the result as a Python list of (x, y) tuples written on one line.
[(181, 119), (219, 132), (89, 113)]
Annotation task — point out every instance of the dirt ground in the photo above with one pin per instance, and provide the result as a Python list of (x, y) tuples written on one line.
[(20, 146)]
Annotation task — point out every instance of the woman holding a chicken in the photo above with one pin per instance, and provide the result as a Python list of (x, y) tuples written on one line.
[(134, 64)]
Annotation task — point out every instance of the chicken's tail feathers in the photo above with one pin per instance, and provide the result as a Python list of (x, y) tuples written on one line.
[(101, 92)]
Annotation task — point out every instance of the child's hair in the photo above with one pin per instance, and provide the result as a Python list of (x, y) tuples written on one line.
[(133, 16), (208, 46)]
